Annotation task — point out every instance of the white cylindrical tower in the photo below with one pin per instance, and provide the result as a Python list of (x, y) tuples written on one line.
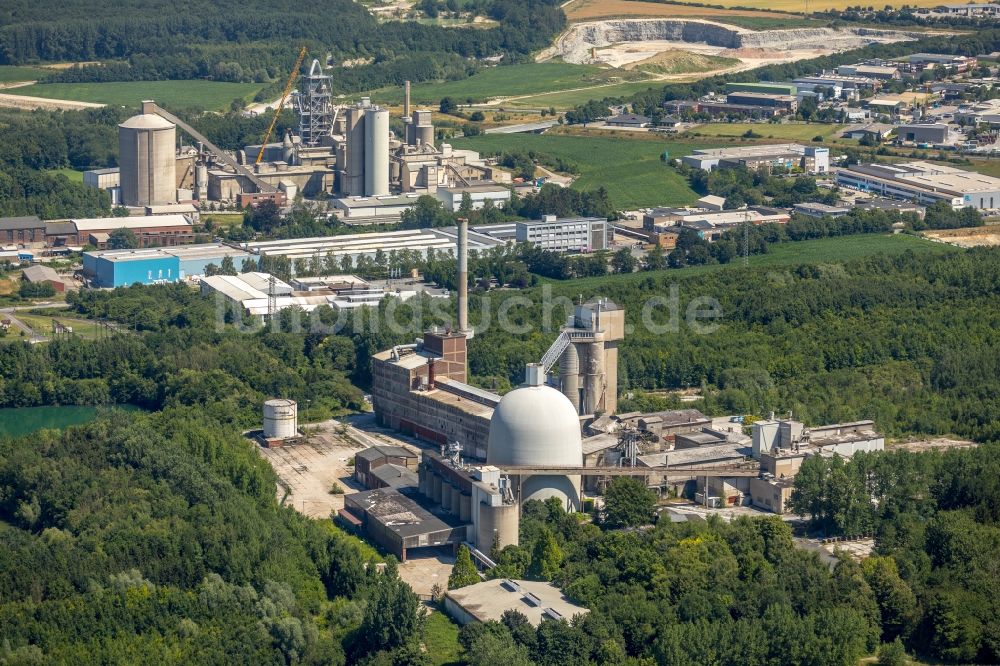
[(201, 182), (594, 378), (148, 159), (376, 152), (354, 168), (423, 132), (569, 376), (281, 419)]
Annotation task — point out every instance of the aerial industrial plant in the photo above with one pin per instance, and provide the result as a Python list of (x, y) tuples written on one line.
[(346, 151)]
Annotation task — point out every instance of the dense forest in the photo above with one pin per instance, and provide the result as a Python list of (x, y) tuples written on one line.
[(152, 40), (743, 593), (158, 539)]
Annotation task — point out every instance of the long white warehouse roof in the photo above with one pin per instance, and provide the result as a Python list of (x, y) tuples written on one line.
[(142, 222)]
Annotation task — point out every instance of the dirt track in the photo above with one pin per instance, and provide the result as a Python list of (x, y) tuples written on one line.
[(26, 103)]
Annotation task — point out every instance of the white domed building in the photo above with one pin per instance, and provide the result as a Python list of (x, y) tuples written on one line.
[(536, 425)]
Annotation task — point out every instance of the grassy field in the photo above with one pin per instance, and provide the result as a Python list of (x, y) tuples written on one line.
[(589, 10), (791, 132), (507, 81), (441, 639), (630, 168), (210, 95), (984, 166), (42, 324), (822, 251), (10, 73), (569, 99), (73, 175)]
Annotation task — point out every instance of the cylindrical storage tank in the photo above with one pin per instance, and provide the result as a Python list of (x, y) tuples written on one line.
[(594, 378), (499, 524), (569, 375), (409, 132), (376, 152), (147, 160), (456, 501), (201, 181), (446, 490), (465, 508), (354, 164), (436, 489), (425, 135), (281, 419)]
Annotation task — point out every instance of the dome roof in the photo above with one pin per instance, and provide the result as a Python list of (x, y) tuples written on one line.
[(535, 425), (147, 121)]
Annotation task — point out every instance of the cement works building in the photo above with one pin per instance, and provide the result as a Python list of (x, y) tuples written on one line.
[(924, 183)]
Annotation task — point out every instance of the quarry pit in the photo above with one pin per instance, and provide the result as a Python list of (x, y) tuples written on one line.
[(622, 42)]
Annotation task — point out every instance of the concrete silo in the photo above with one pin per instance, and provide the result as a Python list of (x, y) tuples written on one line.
[(354, 164), (281, 418), (376, 152), (423, 132), (147, 159)]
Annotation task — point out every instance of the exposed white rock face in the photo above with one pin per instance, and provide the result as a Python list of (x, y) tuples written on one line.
[(576, 43)]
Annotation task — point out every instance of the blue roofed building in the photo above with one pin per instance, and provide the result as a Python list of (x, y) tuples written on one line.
[(117, 268)]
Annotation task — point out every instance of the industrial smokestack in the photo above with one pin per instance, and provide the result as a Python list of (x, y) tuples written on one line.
[(463, 277), (406, 99)]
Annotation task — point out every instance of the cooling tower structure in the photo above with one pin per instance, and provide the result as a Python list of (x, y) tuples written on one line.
[(315, 107), (281, 419), (147, 158), (588, 365), (536, 426), (376, 152)]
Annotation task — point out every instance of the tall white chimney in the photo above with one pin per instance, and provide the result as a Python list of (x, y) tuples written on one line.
[(463, 278), (406, 99)]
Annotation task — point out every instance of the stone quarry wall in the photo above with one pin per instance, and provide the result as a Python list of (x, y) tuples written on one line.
[(574, 45)]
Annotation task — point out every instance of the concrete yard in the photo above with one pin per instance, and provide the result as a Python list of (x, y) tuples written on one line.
[(426, 567), (309, 469)]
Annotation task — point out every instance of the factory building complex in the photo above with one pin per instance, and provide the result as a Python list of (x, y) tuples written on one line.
[(557, 436)]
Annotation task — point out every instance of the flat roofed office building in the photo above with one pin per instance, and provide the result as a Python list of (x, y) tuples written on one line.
[(577, 234)]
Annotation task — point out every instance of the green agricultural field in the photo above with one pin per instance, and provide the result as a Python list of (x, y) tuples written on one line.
[(209, 95), (821, 251), (565, 100), (10, 73), (790, 131), (629, 168), (508, 81)]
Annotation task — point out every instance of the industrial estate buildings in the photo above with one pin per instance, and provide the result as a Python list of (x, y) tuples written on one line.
[(924, 183)]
